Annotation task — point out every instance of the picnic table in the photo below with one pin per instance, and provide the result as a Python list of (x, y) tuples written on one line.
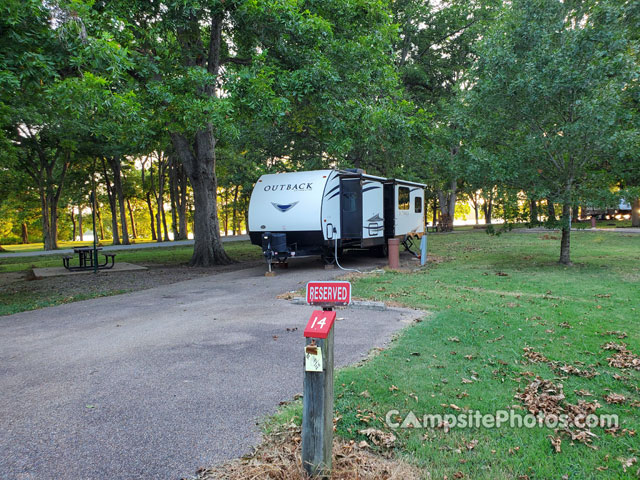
[(86, 259)]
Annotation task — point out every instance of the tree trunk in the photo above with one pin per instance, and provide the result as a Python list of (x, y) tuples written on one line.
[(435, 211), (80, 224), (164, 224), (182, 206), (534, 212), (49, 197), (151, 217), (112, 204), (178, 195), (635, 213), (225, 211), (54, 221), (565, 244), (200, 167), (245, 216), (100, 223), (235, 211), (551, 210), (41, 167), (174, 204), (134, 230), (73, 222), (25, 233), (46, 229), (174, 199), (161, 219), (116, 168), (447, 202), (198, 154)]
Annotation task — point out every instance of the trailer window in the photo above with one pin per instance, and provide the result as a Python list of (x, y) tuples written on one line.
[(349, 202), (418, 204), (403, 198)]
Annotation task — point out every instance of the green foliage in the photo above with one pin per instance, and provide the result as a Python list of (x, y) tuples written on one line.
[(545, 98)]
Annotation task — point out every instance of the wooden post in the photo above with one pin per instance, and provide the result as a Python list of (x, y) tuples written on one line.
[(317, 412), (317, 404), (394, 253)]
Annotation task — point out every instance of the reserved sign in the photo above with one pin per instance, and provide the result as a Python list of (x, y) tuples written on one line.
[(329, 293)]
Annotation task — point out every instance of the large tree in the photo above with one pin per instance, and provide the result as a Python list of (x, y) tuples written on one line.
[(433, 52), (33, 57), (294, 65), (48, 59), (547, 89)]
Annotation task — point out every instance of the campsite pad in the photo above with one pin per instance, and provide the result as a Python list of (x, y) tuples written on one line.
[(39, 273)]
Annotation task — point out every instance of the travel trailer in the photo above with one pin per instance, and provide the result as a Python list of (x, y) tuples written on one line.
[(322, 212)]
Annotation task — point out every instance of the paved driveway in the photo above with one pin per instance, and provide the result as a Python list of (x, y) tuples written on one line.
[(156, 383)]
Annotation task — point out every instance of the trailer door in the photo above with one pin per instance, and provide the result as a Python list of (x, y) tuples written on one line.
[(351, 208)]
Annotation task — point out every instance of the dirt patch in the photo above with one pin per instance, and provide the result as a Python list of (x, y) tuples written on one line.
[(12, 277), (278, 458)]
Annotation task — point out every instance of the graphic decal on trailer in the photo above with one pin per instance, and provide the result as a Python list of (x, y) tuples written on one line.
[(284, 208), (331, 191)]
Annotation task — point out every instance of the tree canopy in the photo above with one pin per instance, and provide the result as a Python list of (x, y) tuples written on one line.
[(505, 103)]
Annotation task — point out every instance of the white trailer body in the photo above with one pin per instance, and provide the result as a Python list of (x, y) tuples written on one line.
[(316, 208), (404, 208)]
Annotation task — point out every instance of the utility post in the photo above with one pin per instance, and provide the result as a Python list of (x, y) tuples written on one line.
[(317, 409)]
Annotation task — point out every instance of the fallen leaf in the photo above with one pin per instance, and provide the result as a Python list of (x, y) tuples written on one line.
[(615, 398), (378, 437), (555, 443), (627, 462)]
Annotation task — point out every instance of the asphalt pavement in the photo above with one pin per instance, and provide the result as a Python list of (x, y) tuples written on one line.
[(157, 383)]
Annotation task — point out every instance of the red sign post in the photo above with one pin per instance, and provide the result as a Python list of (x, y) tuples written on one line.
[(329, 294), (317, 403)]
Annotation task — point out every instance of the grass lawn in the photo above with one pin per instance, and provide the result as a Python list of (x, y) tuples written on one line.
[(240, 251), (489, 298), (166, 265), (63, 244)]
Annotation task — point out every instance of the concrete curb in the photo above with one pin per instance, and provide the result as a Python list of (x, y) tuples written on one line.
[(354, 303)]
